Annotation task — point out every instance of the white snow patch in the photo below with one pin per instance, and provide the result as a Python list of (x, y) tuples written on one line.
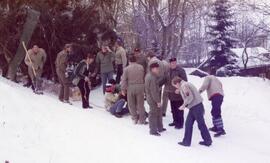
[(40, 129)]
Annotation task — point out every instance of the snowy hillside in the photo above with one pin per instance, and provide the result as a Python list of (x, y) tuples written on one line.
[(39, 129)]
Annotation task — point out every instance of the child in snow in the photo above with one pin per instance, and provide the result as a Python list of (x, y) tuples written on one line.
[(193, 101), (114, 101), (215, 93)]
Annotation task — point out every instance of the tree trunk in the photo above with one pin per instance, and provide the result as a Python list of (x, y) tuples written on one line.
[(28, 29)]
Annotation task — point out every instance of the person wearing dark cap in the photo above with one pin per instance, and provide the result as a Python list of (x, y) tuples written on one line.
[(153, 97), (104, 62), (141, 59), (132, 84), (120, 60), (176, 100)]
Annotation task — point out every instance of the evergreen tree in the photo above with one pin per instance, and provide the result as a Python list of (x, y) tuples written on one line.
[(220, 34)]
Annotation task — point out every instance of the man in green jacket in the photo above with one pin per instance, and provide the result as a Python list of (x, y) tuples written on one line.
[(61, 65), (153, 97), (104, 61)]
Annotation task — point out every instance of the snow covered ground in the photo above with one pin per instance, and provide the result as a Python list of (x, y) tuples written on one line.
[(39, 129)]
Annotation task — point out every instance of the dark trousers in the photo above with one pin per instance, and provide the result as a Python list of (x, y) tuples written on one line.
[(119, 73), (217, 101), (85, 92), (178, 115), (196, 113)]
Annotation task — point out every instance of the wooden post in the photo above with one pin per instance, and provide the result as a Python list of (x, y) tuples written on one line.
[(28, 29)]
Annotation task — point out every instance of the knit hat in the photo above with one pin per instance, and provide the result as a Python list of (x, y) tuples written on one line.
[(154, 65), (173, 60)]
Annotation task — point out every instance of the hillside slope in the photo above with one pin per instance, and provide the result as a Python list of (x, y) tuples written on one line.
[(39, 129)]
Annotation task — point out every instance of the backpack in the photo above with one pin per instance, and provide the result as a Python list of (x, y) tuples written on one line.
[(71, 74)]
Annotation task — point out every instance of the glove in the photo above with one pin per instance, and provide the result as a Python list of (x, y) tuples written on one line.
[(182, 107)]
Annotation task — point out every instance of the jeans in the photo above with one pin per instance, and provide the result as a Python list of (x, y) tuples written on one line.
[(178, 115), (118, 106), (196, 113), (105, 77)]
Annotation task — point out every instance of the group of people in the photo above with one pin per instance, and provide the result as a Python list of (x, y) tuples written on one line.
[(139, 77)]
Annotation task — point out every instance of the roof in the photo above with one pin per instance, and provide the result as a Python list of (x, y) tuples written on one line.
[(258, 56), (196, 72)]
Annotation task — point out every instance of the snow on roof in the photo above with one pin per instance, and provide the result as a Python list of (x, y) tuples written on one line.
[(257, 56), (190, 71)]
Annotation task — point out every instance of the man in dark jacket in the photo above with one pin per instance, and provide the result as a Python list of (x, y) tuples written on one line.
[(104, 61), (84, 70), (153, 96), (175, 99)]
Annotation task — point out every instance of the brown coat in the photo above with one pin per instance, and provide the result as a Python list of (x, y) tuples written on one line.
[(38, 60), (133, 75), (61, 61), (121, 57)]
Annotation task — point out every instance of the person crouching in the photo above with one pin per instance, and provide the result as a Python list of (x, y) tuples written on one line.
[(114, 101), (193, 101)]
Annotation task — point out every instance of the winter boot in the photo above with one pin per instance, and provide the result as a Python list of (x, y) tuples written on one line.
[(155, 134), (220, 133), (172, 124), (213, 129), (118, 115), (184, 144), (205, 143), (67, 102), (162, 130), (218, 124)]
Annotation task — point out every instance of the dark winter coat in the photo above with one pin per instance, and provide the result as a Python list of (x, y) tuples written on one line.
[(83, 70), (180, 72)]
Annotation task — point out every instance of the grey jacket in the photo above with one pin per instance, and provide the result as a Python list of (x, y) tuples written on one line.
[(152, 89), (180, 72), (105, 62), (190, 94), (212, 85)]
